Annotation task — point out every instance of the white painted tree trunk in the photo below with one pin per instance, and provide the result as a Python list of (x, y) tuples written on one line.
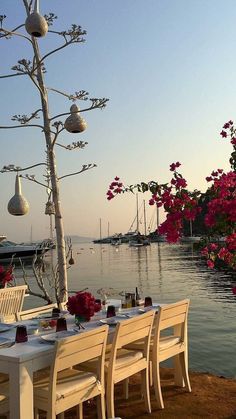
[(61, 253)]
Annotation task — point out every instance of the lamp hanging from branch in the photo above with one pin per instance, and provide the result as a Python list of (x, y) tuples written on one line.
[(36, 24), (50, 208), (75, 123), (18, 205)]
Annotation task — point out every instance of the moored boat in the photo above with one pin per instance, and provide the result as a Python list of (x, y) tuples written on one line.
[(10, 250)]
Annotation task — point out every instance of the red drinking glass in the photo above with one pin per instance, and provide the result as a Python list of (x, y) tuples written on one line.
[(98, 304), (61, 324), (55, 312), (148, 302), (21, 334), (111, 311)]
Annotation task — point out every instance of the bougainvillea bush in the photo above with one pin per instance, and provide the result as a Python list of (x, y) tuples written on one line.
[(181, 205), (6, 275)]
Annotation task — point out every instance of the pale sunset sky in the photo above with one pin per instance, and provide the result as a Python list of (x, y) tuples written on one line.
[(168, 68)]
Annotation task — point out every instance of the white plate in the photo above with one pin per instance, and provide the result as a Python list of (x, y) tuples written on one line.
[(110, 321), (53, 337), (4, 341), (5, 327)]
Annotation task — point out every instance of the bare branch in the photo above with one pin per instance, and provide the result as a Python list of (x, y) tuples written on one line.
[(81, 95), (71, 36), (25, 66), (37, 269), (32, 179), (50, 18), (24, 119), (22, 126), (84, 169), (8, 34), (96, 104), (12, 75), (13, 168), (2, 17), (74, 145)]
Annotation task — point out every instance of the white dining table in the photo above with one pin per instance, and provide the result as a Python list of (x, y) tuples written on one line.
[(23, 359)]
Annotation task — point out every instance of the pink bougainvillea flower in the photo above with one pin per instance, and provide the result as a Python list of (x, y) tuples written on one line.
[(210, 264), (223, 134), (234, 290)]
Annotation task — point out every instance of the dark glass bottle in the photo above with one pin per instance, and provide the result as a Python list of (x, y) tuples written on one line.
[(137, 296)]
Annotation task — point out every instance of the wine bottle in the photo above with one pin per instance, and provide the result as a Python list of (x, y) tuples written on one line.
[(137, 297)]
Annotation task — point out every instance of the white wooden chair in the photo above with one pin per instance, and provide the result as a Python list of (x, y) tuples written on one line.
[(173, 317), (11, 302), (34, 312), (66, 386), (124, 363), (175, 345)]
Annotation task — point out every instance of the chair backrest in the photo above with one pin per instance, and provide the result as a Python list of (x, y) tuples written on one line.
[(132, 330), (77, 349), (172, 316), (11, 302), (34, 312)]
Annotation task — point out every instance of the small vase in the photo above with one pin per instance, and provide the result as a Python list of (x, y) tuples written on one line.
[(79, 319)]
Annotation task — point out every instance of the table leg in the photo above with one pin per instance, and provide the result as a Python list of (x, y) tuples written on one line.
[(21, 391)]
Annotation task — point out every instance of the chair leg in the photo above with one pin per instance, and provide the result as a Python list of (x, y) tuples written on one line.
[(110, 400), (79, 411), (101, 407), (179, 381), (157, 385), (126, 388), (36, 413), (146, 390), (150, 374), (61, 416), (184, 366)]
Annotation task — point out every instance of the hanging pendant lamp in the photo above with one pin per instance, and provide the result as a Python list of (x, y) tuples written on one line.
[(50, 208), (35, 24), (75, 123), (18, 204)]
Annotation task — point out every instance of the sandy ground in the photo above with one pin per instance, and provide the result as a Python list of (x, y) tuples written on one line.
[(211, 397)]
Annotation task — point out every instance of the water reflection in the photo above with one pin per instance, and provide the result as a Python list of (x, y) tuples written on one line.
[(169, 273)]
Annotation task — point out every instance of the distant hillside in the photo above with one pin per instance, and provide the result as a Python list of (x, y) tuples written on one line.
[(79, 239)]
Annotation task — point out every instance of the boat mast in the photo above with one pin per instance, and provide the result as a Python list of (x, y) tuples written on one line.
[(191, 228), (31, 234), (158, 220), (144, 215), (100, 227), (137, 215), (108, 229)]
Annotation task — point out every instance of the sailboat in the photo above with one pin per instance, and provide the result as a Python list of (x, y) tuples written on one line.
[(191, 238), (139, 240)]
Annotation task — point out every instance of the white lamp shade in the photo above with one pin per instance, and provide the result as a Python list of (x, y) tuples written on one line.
[(18, 205), (75, 123)]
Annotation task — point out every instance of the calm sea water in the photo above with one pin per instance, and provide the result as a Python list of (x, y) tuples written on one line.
[(168, 273)]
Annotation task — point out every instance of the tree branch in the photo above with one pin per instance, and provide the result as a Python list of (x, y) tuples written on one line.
[(22, 126), (13, 75), (13, 168), (74, 145), (81, 95), (84, 169), (32, 179), (6, 33), (96, 104)]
